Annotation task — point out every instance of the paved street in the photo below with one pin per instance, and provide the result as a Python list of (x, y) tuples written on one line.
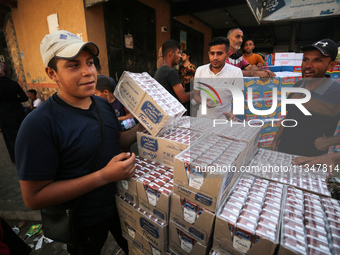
[(14, 211)]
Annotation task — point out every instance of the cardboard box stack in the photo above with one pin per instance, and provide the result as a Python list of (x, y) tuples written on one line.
[(249, 222), (188, 193), (154, 190), (276, 166), (166, 146), (149, 102), (200, 184), (146, 195), (144, 167), (310, 224), (145, 233)]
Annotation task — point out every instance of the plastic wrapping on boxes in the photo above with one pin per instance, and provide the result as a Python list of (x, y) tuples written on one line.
[(167, 145), (149, 102), (249, 222), (309, 224), (205, 172), (276, 166)]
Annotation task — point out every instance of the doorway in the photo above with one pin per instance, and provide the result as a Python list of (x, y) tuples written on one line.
[(130, 28)]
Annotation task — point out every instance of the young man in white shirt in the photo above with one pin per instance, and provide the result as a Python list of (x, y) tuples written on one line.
[(218, 74)]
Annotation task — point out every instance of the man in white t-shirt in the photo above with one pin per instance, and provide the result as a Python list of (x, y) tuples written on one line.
[(34, 100), (213, 78)]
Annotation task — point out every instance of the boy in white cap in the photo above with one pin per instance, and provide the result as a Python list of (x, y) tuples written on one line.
[(58, 145)]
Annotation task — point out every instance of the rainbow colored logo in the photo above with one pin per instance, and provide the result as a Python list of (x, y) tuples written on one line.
[(209, 93)]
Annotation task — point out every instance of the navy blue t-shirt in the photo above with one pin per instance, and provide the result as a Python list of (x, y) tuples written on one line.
[(59, 142)]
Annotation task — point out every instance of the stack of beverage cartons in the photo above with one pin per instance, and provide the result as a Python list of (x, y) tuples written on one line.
[(128, 188), (151, 186), (238, 131), (249, 222), (145, 233), (146, 226), (146, 196), (154, 190), (203, 175), (241, 133), (164, 147), (149, 102), (277, 166), (310, 224)]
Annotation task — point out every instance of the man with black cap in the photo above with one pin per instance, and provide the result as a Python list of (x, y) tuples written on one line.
[(58, 144), (299, 136)]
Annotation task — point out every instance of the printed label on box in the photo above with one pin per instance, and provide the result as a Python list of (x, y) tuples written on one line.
[(152, 112), (149, 143), (148, 227)]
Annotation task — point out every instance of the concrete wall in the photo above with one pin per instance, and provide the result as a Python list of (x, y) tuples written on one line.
[(96, 33), (30, 23), (163, 18)]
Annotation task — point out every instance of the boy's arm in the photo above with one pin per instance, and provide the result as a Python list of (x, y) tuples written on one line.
[(181, 94), (44, 193), (128, 137)]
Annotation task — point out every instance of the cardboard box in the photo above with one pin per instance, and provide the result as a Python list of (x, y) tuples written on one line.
[(247, 134), (203, 226), (149, 102), (180, 247), (215, 186), (128, 195), (166, 146), (160, 210), (225, 239), (151, 229), (128, 188), (137, 243), (263, 246)]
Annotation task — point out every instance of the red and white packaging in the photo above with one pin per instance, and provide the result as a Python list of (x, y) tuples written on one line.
[(270, 208), (152, 193), (253, 209), (254, 202), (244, 234), (263, 231), (190, 211), (295, 245), (164, 178), (267, 222), (270, 216), (250, 216), (165, 191), (292, 233), (168, 186), (309, 223), (294, 217), (299, 227), (317, 244), (317, 234)]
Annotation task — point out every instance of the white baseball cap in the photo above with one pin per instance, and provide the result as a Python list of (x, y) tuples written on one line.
[(64, 44)]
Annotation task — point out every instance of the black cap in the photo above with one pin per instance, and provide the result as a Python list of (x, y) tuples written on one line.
[(327, 48)]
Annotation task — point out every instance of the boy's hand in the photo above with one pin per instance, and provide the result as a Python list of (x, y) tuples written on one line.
[(120, 167)]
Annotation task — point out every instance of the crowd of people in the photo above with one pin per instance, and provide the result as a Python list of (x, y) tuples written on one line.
[(71, 148)]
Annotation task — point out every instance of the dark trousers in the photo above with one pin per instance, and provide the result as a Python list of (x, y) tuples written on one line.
[(92, 238)]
